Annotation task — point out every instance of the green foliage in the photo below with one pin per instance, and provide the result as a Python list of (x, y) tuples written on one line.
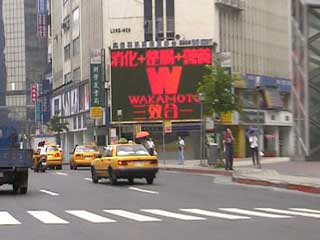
[(57, 125), (216, 85)]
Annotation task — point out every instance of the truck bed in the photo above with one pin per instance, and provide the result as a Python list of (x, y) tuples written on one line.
[(11, 158)]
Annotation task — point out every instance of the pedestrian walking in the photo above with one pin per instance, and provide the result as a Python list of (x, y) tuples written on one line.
[(254, 148), (180, 144), (150, 146), (228, 141)]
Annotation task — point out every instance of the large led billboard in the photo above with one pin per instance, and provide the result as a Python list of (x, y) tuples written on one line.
[(157, 84)]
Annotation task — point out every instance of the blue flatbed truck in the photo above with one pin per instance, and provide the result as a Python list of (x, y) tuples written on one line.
[(15, 158)]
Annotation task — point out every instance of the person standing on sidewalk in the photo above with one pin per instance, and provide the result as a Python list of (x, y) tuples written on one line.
[(180, 144), (253, 140), (228, 141), (254, 147)]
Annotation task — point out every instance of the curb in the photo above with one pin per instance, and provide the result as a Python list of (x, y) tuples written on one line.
[(289, 186), (198, 171), (248, 181)]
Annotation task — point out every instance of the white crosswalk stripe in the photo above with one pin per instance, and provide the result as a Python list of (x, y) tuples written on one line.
[(305, 210), (47, 217), (91, 217), (133, 216), (7, 219), (215, 214), (158, 215), (172, 214), (313, 215), (253, 213)]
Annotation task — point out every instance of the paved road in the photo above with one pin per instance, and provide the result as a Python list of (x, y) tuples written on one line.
[(66, 205)]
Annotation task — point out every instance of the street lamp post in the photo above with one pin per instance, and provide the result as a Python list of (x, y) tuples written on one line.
[(201, 99), (119, 115)]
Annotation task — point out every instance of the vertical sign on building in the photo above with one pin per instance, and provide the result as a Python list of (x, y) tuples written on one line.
[(97, 99), (34, 92), (42, 18)]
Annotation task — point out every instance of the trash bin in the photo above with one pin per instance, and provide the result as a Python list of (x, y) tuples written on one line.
[(212, 153)]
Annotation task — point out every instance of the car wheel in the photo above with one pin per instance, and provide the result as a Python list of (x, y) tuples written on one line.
[(149, 180), (113, 178), (131, 180), (94, 177)]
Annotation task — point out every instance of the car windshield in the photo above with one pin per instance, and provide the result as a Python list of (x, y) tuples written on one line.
[(52, 149), (132, 150), (86, 149)]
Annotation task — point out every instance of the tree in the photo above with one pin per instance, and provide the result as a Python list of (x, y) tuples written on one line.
[(216, 85), (57, 125)]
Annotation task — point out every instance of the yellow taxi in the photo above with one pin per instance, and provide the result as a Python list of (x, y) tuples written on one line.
[(83, 155), (52, 153), (125, 161)]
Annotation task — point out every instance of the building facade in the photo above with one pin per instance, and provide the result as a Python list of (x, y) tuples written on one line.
[(23, 54), (305, 55), (251, 36)]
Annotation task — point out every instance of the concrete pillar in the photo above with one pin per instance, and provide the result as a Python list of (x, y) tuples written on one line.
[(277, 143)]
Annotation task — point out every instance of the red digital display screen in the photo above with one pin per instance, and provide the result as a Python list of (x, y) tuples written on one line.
[(157, 84)]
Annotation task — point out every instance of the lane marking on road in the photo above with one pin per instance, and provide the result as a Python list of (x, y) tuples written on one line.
[(133, 216), (7, 219), (254, 213), (305, 210), (172, 214), (88, 179), (61, 173), (214, 214), (143, 190), (49, 192), (289, 212), (47, 217), (91, 217)]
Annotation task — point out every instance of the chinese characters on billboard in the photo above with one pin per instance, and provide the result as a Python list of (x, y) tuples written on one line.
[(157, 84)]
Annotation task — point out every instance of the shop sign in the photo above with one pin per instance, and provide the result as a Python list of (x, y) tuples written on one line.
[(226, 118), (97, 78), (96, 112), (167, 126), (252, 117), (158, 83), (34, 92)]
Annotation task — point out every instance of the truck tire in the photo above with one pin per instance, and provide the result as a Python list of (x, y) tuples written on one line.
[(23, 190)]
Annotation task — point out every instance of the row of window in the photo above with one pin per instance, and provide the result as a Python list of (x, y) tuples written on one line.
[(75, 50), (159, 20), (16, 100), (76, 75)]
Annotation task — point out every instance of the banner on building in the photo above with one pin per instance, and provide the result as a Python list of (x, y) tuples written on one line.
[(158, 84), (97, 96), (34, 92), (42, 18)]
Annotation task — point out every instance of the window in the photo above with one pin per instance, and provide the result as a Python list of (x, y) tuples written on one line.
[(148, 20), (159, 19), (77, 75), (67, 52), (67, 77), (170, 19), (76, 22), (66, 24), (76, 46)]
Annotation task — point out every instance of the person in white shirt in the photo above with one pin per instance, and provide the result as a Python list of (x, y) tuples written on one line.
[(180, 150), (253, 140)]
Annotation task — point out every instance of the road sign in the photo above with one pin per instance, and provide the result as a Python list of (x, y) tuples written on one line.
[(96, 112)]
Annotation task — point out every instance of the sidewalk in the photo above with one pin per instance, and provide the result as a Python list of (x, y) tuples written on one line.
[(275, 172)]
